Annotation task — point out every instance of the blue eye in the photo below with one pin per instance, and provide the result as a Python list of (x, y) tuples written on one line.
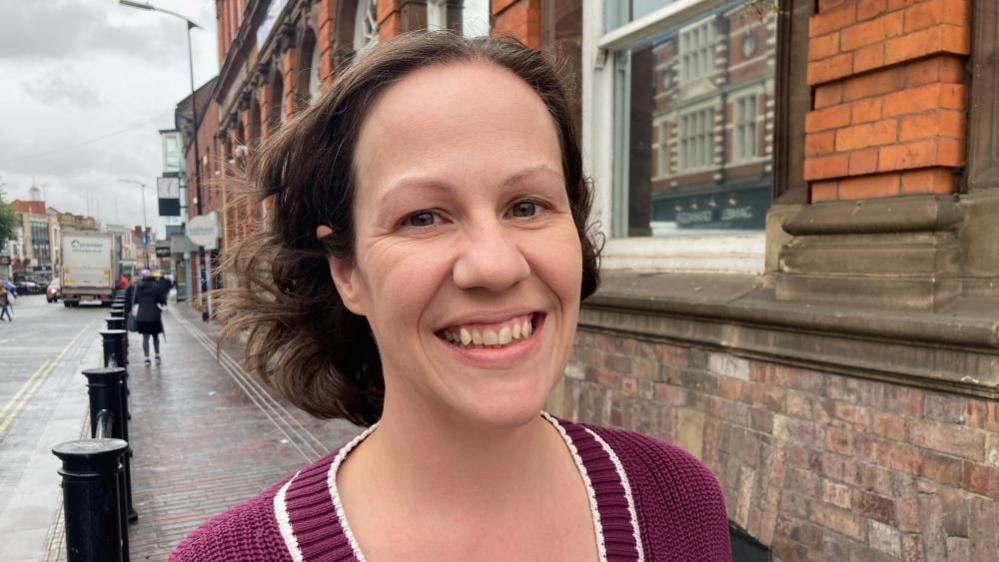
[(524, 209), (421, 219)]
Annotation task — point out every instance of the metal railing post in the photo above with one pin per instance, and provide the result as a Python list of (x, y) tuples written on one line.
[(95, 529), (108, 391)]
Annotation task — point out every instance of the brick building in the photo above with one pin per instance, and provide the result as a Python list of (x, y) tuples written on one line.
[(801, 260), (202, 179)]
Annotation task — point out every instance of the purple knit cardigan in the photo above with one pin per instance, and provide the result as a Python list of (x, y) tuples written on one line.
[(650, 501)]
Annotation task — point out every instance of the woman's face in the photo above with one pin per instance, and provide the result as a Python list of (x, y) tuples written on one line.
[(467, 262)]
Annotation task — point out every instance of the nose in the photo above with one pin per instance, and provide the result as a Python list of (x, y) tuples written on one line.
[(489, 259)]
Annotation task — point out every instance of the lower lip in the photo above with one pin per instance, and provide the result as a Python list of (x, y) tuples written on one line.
[(499, 357)]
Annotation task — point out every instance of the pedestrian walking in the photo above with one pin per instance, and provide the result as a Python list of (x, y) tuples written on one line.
[(6, 304), (433, 296), (149, 303)]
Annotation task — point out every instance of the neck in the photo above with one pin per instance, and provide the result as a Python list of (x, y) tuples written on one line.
[(430, 457)]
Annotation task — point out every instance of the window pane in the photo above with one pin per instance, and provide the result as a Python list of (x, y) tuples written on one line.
[(688, 124), (621, 12)]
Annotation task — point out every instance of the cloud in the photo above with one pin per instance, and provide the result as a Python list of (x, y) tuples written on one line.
[(61, 86), (72, 29)]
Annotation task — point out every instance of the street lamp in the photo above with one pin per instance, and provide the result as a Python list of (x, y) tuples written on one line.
[(145, 227), (206, 311)]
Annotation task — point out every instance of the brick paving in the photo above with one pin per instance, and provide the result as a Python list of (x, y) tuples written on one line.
[(205, 437)]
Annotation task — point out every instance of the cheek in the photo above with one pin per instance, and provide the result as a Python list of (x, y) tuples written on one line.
[(557, 260), (403, 278)]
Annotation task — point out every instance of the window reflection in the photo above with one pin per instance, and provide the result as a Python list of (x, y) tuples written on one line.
[(694, 124)]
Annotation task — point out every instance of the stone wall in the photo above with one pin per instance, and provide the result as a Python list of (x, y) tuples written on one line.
[(817, 466)]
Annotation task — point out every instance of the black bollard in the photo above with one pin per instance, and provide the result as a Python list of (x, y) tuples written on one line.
[(115, 323), (117, 312), (114, 348), (108, 391), (92, 506)]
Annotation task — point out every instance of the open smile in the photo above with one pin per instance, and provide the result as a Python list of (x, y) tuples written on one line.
[(495, 345), (495, 335)]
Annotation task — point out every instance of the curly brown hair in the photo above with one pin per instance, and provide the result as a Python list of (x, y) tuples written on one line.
[(300, 338)]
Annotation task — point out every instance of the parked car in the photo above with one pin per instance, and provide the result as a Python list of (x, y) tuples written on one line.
[(28, 288), (53, 293)]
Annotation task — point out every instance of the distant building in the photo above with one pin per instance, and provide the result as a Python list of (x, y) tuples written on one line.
[(38, 232)]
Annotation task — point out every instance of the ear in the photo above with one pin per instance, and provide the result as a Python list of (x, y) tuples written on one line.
[(346, 278)]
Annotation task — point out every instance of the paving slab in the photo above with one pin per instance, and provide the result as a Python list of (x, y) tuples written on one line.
[(205, 436)]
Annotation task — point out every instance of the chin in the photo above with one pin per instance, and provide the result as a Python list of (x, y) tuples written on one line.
[(505, 411)]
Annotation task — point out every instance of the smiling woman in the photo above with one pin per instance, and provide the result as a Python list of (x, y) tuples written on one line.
[(422, 276)]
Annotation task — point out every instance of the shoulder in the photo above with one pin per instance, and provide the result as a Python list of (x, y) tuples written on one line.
[(678, 501), (249, 531)]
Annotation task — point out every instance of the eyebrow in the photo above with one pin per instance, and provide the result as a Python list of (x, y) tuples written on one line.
[(448, 189)]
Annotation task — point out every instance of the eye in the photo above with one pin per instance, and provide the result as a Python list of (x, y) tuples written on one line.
[(421, 219), (525, 209)]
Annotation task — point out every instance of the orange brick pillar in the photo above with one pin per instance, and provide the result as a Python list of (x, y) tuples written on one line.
[(517, 18), (326, 18), (288, 81), (389, 15), (263, 102), (888, 115)]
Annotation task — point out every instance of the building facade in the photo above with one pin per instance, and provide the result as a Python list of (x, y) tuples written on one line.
[(201, 184), (801, 261)]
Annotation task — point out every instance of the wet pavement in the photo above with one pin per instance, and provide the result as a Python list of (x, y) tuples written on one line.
[(205, 436), (44, 402)]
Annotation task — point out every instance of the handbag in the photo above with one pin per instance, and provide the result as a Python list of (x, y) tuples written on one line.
[(131, 324)]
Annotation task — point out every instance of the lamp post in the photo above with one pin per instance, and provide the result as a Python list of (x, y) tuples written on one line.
[(145, 227), (205, 283)]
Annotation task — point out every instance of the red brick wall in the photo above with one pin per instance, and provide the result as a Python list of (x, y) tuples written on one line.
[(889, 97), (390, 21), (518, 18), (816, 465)]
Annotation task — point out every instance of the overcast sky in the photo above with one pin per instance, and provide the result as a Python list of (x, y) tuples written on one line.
[(87, 84)]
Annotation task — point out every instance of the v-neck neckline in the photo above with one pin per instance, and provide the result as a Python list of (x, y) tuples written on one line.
[(308, 532)]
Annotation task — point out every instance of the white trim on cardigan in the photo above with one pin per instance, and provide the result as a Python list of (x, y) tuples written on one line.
[(284, 521), (635, 532)]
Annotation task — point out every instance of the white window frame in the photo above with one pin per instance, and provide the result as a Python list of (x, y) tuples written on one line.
[(475, 18), (364, 39), (315, 84), (697, 62), (758, 121), (726, 251), (707, 159), (436, 15)]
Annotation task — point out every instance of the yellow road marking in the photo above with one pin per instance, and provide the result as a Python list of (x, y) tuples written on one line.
[(28, 392), (13, 407), (24, 389)]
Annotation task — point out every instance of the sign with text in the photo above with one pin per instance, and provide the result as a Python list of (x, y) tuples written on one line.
[(204, 230)]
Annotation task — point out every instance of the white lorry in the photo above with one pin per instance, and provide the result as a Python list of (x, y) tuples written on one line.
[(89, 267)]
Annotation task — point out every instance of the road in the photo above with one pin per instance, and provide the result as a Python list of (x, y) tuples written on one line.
[(42, 402)]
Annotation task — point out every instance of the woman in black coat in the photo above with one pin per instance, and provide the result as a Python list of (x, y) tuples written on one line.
[(151, 301)]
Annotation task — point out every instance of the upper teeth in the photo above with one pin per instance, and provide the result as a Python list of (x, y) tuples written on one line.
[(515, 329)]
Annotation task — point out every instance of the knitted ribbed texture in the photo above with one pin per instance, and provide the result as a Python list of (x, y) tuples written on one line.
[(681, 509), (246, 532), (678, 508)]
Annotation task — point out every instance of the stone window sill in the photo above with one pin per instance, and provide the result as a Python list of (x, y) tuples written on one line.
[(955, 349)]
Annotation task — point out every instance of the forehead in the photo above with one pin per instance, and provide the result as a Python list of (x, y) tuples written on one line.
[(470, 118)]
